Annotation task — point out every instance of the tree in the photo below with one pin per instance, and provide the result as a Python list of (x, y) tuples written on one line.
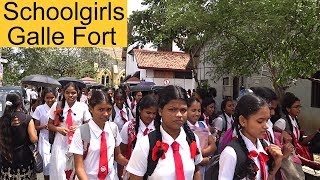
[(241, 37), (56, 62)]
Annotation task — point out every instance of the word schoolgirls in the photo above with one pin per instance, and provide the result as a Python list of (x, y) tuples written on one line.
[(53, 23)]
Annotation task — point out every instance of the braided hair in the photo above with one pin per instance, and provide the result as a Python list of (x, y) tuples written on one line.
[(288, 100), (166, 95), (247, 106), (6, 134), (146, 102), (99, 96)]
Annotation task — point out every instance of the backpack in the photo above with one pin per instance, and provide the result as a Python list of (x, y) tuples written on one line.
[(212, 170), (85, 137), (152, 164), (201, 124)]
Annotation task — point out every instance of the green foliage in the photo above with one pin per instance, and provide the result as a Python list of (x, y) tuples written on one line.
[(56, 62), (239, 37)]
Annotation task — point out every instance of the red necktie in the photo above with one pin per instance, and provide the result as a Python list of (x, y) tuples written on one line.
[(103, 163), (297, 132), (122, 116), (69, 124), (207, 121), (145, 132), (177, 161), (263, 158), (132, 105)]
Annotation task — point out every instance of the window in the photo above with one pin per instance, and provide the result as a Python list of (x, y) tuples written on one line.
[(107, 80), (183, 75), (315, 90), (102, 80)]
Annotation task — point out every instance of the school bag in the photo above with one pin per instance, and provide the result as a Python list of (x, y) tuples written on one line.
[(85, 137), (152, 164), (212, 170)]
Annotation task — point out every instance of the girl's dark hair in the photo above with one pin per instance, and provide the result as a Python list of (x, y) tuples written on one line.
[(247, 106), (97, 97), (166, 95), (223, 107), (6, 135), (288, 100), (192, 100), (122, 92), (206, 102), (265, 93), (63, 101), (47, 90), (146, 102)]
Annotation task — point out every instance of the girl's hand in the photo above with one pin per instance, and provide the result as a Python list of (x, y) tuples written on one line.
[(276, 153), (74, 128), (287, 149), (62, 130)]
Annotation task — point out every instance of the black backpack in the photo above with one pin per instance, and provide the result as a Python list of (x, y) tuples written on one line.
[(212, 170)]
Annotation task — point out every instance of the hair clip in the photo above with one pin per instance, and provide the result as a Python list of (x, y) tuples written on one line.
[(8, 103)]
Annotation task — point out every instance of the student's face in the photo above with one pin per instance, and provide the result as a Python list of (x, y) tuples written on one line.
[(110, 92), (147, 115), (255, 126), (119, 100), (209, 110), (194, 112), (294, 110), (229, 108), (70, 94), (272, 106), (49, 98), (138, 96), (174, 115), (101, 112)]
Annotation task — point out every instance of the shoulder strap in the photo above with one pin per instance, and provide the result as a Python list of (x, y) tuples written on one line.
[(151, 164), (241, 157), (201, 124), (113, 114), (85, 137), (224, 122)]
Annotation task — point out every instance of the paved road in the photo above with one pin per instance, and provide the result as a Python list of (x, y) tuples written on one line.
[(40, 176)]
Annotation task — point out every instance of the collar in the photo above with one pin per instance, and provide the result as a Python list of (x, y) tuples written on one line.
[(118, 109), (46, 107), (96, 129), (181, 139), (142, 126), (251, 146), (191, 125), (67, 107), (228, 117)]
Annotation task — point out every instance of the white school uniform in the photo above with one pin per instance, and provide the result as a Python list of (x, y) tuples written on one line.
[(118, 119), (41, 114), (142, 127), (165, 168), (228, 160), (270, 130), (134, 109), (218, 122), (281, 124), (80, 114), (91, 162)]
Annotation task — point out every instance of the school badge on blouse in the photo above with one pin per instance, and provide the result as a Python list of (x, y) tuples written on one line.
[(103, 168)]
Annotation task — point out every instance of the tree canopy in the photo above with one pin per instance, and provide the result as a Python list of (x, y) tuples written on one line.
[(241, 37)]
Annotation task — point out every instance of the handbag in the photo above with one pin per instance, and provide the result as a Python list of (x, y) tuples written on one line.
[(38, 162)]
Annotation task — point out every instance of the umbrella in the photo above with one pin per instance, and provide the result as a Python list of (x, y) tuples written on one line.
[(88, 80), (65, 80), (141, 88), (40, 81), (95, 85), (146, 83)]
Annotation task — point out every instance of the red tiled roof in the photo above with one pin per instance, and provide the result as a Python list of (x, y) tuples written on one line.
[(133, 79), (161, 59)]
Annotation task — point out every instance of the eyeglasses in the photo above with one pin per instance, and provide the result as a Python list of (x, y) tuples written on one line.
[(297, 107)]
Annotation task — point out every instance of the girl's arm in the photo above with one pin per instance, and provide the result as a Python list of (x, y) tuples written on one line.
[(78, 163), (276, 153), (37, 125), (119, 158), (135, 177), (197, 173), (58, 129), (306, 140), (211, 147), (32, 132), (123, 148)]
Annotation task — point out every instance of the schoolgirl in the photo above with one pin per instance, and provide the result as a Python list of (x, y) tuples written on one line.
[(41, 118), (291, 107), (259, 160), (172, 150), (122, 113), (137, 96), (94, 160), (64, 118), (225, 120), (208, 110), (143, 125), (208, 147)]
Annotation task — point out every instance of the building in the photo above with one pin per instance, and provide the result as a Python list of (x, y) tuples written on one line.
[(161, 67)]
